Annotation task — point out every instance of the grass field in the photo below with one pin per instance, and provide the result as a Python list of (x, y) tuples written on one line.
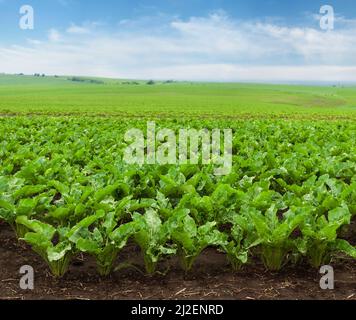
[(58, 95)]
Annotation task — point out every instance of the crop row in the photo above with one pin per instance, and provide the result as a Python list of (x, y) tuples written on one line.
[(290, 197)]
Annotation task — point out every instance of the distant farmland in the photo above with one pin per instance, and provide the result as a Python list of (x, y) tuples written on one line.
[(68, 95)]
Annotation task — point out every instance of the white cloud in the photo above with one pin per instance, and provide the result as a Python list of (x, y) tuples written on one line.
[(74, 29), (233, 72), (85, 28), (33, 41), (54, 35), (200, 48)]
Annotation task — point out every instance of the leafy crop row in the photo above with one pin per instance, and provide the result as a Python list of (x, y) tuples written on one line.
[(290, 197)]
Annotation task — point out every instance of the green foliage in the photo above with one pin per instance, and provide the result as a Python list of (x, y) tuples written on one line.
[(41, 238), (191, 240), (320, 237), (273, 234), (152, 236), (291, 194), (104, 243)]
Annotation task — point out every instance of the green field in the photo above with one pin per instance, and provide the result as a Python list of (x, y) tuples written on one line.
[(50, 95), (66, 189)]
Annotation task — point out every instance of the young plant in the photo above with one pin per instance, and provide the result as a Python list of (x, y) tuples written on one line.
[(41, 238), (7, 212), (104, 243), (152, 236), (191, 239), (240, 242), (55, 246), (273, 234), (320, 237)]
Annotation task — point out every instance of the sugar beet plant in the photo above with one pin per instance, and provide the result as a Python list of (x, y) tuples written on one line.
[(290, 196)]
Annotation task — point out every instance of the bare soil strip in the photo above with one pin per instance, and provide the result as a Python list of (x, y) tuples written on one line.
[(211, 278)]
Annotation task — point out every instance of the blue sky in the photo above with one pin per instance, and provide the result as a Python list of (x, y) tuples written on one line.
[(223, 40)]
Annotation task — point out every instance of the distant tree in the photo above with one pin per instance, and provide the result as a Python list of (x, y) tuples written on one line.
[(78, 79), (130, 83), (151, 82)]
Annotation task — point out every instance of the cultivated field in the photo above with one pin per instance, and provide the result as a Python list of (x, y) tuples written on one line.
[(117, 230), (60, 96)]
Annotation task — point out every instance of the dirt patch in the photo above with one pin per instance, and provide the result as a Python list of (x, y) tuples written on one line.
[(211, 278)]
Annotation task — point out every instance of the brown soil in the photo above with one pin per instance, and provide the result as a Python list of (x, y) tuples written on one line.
[(211, 278)]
